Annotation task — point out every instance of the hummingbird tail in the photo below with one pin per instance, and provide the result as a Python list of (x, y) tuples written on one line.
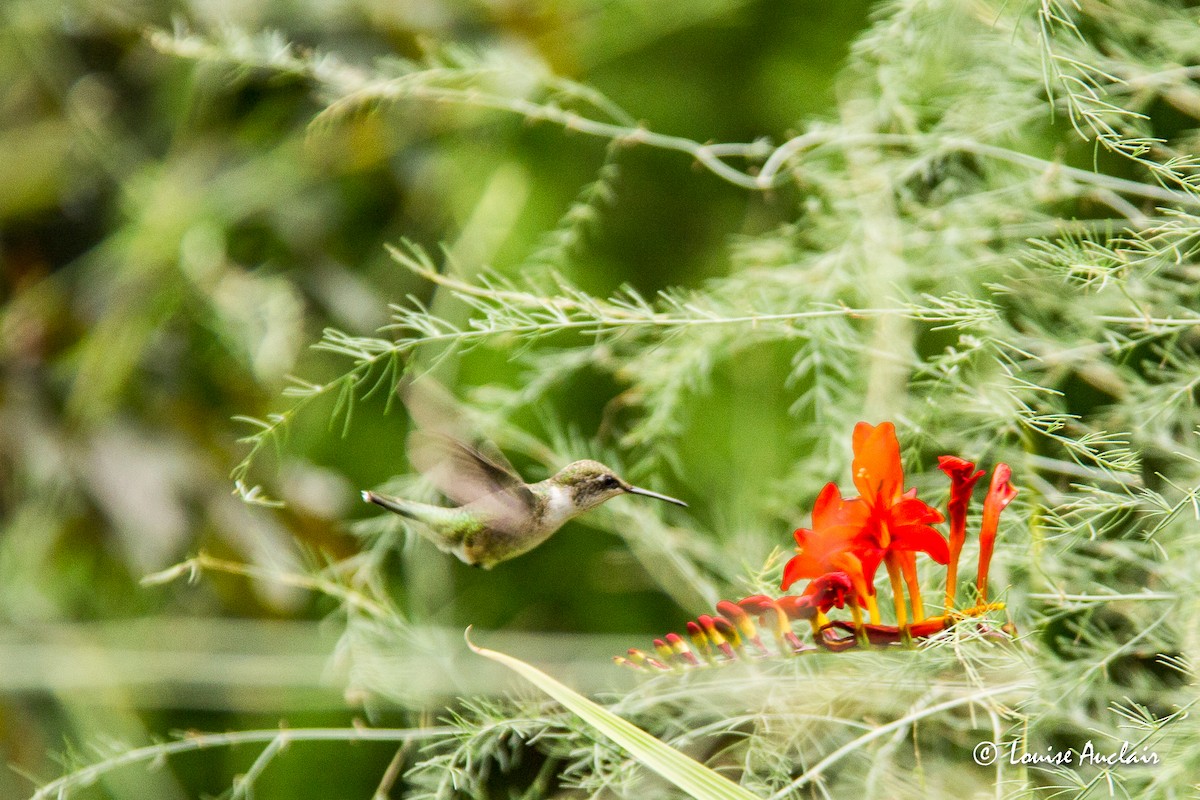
[(393, 504), (445, 527)]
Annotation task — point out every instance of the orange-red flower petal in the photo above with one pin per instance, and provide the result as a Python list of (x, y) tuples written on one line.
[(876, 468), (837, 532), (921, 539)]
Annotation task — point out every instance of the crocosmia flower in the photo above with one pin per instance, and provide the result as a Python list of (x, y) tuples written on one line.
[(899, 523), (837, 542), (840, 554), (884, 525), (899, 519)]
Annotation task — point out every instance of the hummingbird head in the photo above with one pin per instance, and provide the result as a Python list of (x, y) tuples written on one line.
[(590, 483)]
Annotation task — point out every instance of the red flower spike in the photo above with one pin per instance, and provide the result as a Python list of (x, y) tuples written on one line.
[(641, 659), (999, 495), (849, 539), (621, 661), (731, 634), (963, 478), (756, 604), (741, 620), (700, 641), (780, 622), (681, 650), (800, 608), (734, 613), (714, 635)]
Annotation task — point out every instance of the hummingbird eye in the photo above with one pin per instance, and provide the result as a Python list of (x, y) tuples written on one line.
[(609, 482)]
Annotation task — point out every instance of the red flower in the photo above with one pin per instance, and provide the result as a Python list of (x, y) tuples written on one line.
[(840, 554), (963, 478), (836, 542), (898, 522), (885, 524), (999, 495), (831, 589), (899, 519)]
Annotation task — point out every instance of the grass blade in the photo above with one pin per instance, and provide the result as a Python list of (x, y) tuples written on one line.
[(688, 774)]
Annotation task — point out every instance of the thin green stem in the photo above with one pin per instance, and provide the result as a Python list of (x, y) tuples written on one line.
[(207, 741)]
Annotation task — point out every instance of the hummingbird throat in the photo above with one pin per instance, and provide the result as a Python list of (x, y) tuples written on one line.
[(560, 505)]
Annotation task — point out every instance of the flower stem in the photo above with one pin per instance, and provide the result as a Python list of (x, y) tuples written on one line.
[(873, 610), (951, 582), (914, 594), (908, 567), (897, 593), (859, 631)]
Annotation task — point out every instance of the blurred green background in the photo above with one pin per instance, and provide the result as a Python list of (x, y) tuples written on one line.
[(173, 237), (993, 227)]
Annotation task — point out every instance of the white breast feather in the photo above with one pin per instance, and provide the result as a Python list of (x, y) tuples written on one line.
[(559, 506)]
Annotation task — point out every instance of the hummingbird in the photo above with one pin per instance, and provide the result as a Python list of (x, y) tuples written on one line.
[(499, 516)]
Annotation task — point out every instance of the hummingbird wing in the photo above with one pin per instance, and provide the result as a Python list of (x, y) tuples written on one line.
[(469, 477), (475, 474)]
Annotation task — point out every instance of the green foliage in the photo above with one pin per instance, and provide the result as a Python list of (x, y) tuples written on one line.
[(989, 237)]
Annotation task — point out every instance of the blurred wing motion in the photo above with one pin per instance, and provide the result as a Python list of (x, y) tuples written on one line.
[(475, 474)]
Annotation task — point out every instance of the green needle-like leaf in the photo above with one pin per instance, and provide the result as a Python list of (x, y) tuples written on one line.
[(688, 774)]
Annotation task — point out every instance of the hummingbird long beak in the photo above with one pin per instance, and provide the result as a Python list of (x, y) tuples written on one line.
[(655, 495)]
